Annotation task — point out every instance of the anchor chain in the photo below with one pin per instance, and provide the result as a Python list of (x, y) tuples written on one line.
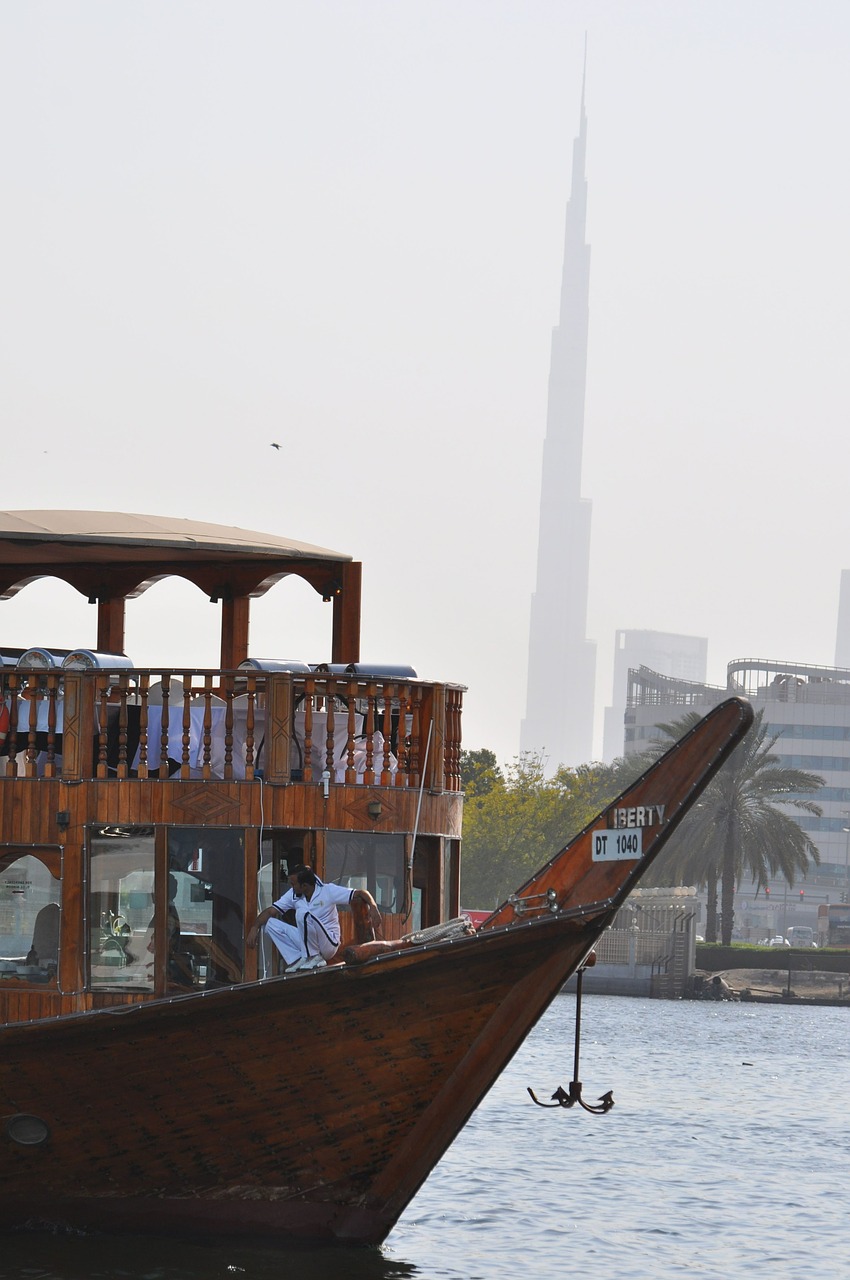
[(572, 1096)]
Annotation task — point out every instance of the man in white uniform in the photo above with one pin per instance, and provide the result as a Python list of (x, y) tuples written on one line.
[(315, 937)]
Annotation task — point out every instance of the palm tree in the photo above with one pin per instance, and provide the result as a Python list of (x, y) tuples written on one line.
[(737, 825)]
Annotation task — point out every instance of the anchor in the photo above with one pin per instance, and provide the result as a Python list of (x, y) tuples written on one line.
[(568, 1098)]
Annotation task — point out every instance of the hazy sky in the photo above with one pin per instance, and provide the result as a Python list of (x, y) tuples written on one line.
[(339, 226)]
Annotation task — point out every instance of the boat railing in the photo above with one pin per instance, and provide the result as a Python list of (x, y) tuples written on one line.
[(231, 725)]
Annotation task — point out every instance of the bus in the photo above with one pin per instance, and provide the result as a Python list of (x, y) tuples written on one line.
[(834, 924)]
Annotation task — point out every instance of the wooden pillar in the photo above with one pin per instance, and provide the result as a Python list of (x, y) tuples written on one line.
[(345, 646), (110, 625), (278, 726), (432, 738), (78, 726), (235, 619)]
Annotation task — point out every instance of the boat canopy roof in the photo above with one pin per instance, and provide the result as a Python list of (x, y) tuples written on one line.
[(113, 556), (33, 536)]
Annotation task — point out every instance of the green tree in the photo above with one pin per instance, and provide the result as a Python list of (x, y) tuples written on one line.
[(516, 819), (479, 771), (739, 824)]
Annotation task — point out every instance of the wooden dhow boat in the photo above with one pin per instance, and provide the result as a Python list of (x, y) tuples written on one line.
[(155, 1072)]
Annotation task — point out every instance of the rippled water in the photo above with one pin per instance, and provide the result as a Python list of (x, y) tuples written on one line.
[(726, 1154)]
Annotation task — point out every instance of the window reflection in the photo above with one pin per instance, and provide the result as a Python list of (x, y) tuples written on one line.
[(121, 908), (208, 868), (29, 917), (373, 862)]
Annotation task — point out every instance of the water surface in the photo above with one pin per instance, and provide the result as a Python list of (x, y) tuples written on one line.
[(726, 1154)]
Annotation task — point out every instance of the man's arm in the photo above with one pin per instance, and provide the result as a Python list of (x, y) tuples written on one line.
[(254, 931), (369, 903)]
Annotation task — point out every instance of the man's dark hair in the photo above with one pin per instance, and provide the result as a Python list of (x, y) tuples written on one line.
[(307, 876)]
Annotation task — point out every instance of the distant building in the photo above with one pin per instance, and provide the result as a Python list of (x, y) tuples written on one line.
[(685, 657), (809, 707), (842, 639), (558, 722)]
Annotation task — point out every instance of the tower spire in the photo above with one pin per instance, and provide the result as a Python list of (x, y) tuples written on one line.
[(583, 81), (561, 660)]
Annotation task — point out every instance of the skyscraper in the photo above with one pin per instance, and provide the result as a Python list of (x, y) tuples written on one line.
[(561, 660), (683, 657)]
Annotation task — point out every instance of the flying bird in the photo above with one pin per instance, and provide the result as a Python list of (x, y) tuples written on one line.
[(275, 446)]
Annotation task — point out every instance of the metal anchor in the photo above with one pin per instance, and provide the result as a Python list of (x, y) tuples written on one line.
[(569, 1098)]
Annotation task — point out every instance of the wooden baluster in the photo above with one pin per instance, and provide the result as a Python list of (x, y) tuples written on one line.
[(350, 770), (185, 756), (402, 772), (414, 762), (441, 769), (249, 727), (31, 713), (371, 697), (387, 732), (458, 738), (122, 763), (330, 739), (163, 736), (144, 684), (452, 740), (451, 753), (13, 689), (102, 702), (206, 748), (51, 693), (24, 710), (309, 685), (228, 726), (397, 742), (5, 747)]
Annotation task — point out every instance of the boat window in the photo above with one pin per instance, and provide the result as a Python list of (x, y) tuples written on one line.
[(360, 860), (29, 917), (427, 879), (207, 888), (281, 851), (121, 908)]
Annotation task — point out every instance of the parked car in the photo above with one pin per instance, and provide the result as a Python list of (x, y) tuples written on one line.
[(778, 942), (802, 935)]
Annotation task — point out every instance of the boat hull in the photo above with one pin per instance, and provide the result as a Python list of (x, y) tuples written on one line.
[(313, 1106), (309, 1107)]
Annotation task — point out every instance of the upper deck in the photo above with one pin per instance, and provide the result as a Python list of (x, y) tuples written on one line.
[(134, 795), (280, 720)]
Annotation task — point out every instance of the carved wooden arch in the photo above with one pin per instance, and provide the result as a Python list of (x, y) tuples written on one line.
[(232, 583), (50, 858)]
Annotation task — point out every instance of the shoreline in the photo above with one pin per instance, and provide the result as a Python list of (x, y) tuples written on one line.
[(771, 986)]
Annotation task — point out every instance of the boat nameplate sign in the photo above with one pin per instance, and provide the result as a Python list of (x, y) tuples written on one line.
[(620, 845)]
